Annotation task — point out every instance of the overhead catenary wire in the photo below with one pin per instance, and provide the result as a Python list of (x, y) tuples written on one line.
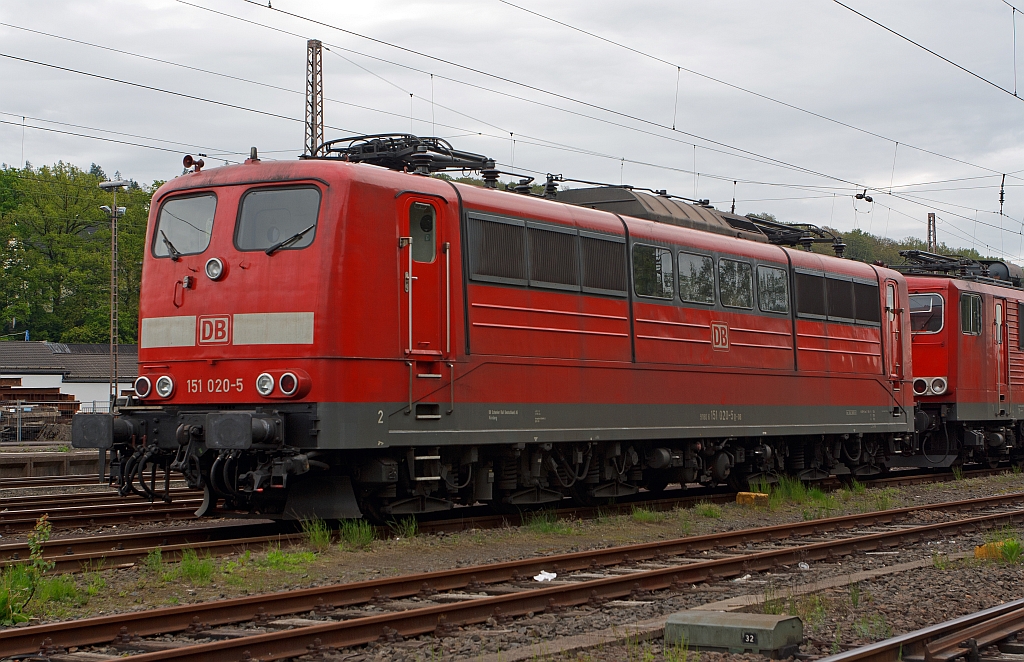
[(739, 88), (928, 50), (550, 142)]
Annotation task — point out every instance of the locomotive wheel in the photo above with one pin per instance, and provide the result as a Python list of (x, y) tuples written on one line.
[(580, 492), (738, 482), (656, 485)]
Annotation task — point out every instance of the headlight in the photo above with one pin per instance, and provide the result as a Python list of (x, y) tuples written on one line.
[(214, 268), (939, 386), (143, 386), (164, 386), (265, 384), (289, 383), (920, 386)]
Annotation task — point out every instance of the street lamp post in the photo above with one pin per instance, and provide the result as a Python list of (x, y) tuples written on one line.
[(114, 212)]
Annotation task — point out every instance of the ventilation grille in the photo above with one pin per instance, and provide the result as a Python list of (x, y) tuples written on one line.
[(553, 257), (497, 250), (604, 264)]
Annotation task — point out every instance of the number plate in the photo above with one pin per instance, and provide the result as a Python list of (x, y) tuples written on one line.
[(750, 638)]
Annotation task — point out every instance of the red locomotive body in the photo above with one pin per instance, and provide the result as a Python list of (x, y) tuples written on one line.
[(969, 362), (329, 338)]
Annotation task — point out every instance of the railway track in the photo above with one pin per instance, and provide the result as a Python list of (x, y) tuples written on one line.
[(965, 637), (72, 554), (350, 614)]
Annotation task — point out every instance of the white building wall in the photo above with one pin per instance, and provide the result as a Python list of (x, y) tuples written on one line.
[(85, 392)]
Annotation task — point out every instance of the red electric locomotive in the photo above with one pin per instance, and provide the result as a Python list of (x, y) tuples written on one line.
[(340, 336), (968, 359)]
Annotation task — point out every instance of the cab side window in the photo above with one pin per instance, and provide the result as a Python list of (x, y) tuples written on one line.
[(653, 274), (970, 314)]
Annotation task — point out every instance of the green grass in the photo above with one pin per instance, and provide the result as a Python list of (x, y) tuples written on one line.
[(1011, 550), (792, 489), (940, 561), (854, 594), (278, 560), (154, 561), (357, 533), (958, 473), (872, 626), (407, 527), (547, 522), (885, 499), (61, 588), (317, 534), (761, 485), (646, 515), (708, 509), (194, 568)]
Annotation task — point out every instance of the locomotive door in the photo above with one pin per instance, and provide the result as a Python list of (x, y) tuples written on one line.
[(425, 288), (893, 320), (1002, 353)]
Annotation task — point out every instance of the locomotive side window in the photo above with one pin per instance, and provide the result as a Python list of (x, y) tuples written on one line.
[(867, 303), (772, 290), (735, 284), (696, 278), (184, 225), (423, 229), (604, 264), (926, 313), (277, 218), (810, 295), (652, 272), (553, 258), (839, 296), (497, 251), (970, 314)]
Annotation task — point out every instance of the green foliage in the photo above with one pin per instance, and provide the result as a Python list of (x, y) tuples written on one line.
[(357, 533), (761, 485), (885, 499), (317, 534), (407, 527), (940, 561), (708, 509), (958, 473), (278, 560), (854, 594), (20, 583), (154, 562), (194, 568), (646, 515), (872, 626), (55, 254), (1011, 550), (546, 521)]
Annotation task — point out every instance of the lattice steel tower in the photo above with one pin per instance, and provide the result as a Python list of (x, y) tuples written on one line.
[(314, 97)]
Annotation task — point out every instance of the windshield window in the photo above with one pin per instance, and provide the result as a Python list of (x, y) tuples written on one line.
[(184, 225), (925, 313), (269, 217)]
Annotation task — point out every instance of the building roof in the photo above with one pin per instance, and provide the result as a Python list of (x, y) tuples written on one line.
[(75, 362)]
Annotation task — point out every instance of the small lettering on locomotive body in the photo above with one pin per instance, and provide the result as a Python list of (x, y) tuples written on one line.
[(722, 415), (493, 414), (225, 385)]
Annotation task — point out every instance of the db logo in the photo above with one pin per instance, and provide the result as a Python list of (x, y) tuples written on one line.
[(720, 336), (214, 330)]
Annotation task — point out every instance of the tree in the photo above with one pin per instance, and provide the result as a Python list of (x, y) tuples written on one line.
[(55, 254)]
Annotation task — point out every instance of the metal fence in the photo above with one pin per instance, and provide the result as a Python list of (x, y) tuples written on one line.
[(22, 420)]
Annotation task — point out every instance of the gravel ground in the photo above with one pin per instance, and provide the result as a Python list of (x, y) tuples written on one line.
[(159, 584)]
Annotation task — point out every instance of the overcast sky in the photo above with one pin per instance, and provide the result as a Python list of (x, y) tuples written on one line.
[(542, 97)]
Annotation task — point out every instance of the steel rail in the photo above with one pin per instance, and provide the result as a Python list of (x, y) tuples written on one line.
[(173, 619), (85, 516), (942, 642), (121, 549), (413, 622), (41, 501)]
